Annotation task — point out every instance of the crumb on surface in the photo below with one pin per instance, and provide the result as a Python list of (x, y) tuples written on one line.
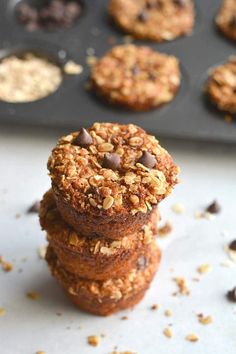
[(192, 337), (205, 320), (165, 230), (182, 285), (204, 268), (72, 68), (168, 332), (33, 295), (178, 208), (94, 341), (2, 311), (155, 307), (168, 313)]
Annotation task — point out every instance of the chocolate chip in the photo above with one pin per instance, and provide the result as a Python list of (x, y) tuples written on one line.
[(152, 4), (231, 295), (213, 208), (152, 76), (135, 70), (180, 3), (34, 208), (147, 160), (233, 22), (83, 138), (142, 16), (142, 263), (111, 161), (232, 245)]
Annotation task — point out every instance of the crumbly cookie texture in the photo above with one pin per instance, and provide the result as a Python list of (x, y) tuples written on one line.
[(226, 18), (62, 234), (157, 20), (111, 289), (136, 77), (130, 186), (221, 86)]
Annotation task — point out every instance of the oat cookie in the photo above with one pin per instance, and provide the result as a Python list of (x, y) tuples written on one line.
[(136, 77), (92, 258), (157, 20), (111, 295), (221, 86), (226, 18), (108, 179)]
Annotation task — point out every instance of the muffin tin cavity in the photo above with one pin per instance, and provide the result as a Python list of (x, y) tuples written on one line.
[(27, 75), (48, 15), (74, 104)]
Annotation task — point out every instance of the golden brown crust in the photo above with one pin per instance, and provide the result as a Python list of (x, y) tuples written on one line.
[(157, 20), (92, 258), (91, 197), (136, 77), (221, 86), (226, 19), (106, 297)]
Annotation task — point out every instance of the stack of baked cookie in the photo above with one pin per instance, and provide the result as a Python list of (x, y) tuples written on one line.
[(101, 214)]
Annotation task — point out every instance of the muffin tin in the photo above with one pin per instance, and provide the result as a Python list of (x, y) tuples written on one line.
[(188, 116)]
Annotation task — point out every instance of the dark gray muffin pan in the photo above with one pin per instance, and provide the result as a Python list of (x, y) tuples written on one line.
[(188, 116)]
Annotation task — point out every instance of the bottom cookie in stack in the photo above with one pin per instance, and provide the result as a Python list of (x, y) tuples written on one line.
[(93, 258), (108, 296)]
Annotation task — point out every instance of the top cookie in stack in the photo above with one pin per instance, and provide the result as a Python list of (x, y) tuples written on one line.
[(107, 180)]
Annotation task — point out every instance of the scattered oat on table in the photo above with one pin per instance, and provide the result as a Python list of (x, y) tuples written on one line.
[(93, 340), (165, 230), (168, 313), (33, 295), (178, 208), (182, 285), (168, 332), (2, 311), (204, 268), (192, 337), (205, 320)]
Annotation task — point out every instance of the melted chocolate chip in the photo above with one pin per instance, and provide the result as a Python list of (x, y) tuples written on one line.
[(34, 208), (111, 161), (142, 16), (147, 160), (180, 3), (213, 208), (152, 4), (151, 76), (233, 22), (142, 263), (232, 245), (135, 70), (231, 295), (83, 138)]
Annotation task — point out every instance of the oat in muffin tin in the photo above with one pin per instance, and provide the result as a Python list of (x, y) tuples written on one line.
[(221, 86), (157, 20), (226, 19), (136, 77)]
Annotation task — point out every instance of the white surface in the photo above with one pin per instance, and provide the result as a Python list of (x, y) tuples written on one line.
[(208, 172)]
